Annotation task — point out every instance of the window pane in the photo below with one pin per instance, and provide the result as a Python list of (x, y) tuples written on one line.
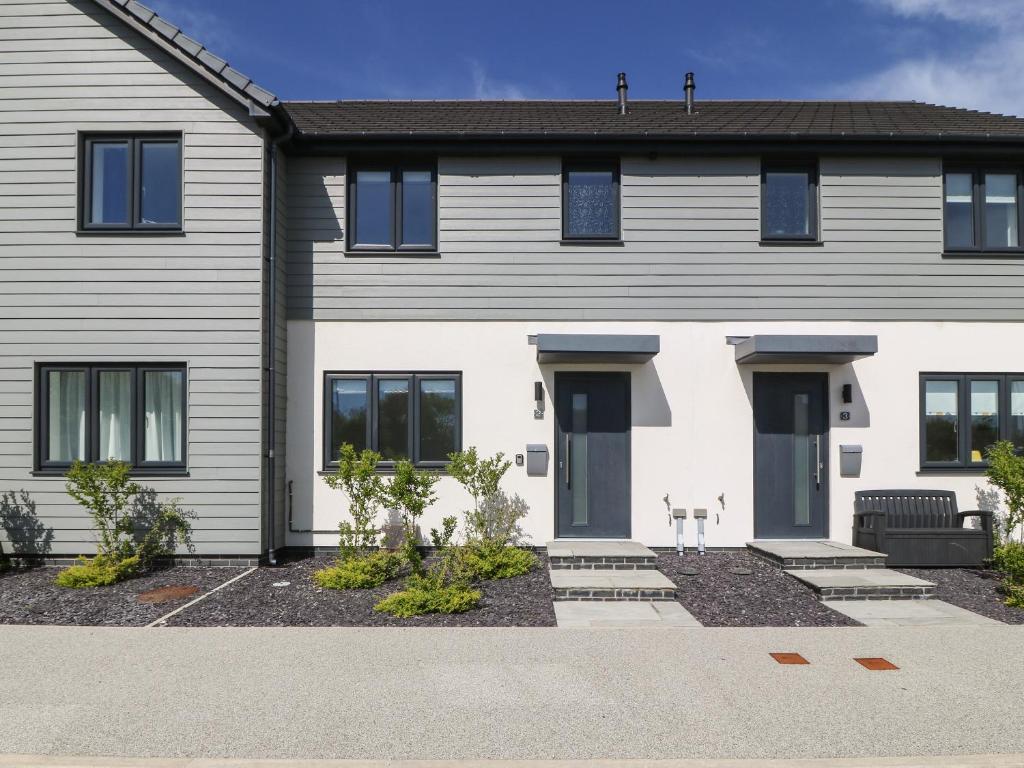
[(437, 416), (350, 409), (393, 419), (164, 417), (940, 426), (592, 206), (66, 401), (801, 459), (417, 208), (161, 182), (115, 415), (109, 183), (578, 459), (984, 417), (374, 208), (1000, 210), (787, 203), (959, 210), (1016, 434)]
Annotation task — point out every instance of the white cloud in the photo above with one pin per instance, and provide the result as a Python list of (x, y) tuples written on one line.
[(485, 87), (985, 76)]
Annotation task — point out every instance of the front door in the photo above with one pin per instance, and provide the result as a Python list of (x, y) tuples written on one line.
[(791, 455), (592, 455)]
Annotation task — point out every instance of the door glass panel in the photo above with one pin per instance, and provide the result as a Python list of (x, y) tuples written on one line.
[(940, 419), (984, 417), (959, 210), (1016, 434), (801, 459), (393, 419), (66, 397), (1000, 210), (349, 414), (115, 415), (578, 459)]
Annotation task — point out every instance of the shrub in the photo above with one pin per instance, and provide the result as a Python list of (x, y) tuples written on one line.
[(98, 571), (426, 595), (480, 477), (357, 477), (1009, 559), (1014, 595), (410, 492), (1006, 472), (364, 572), (489, 561)]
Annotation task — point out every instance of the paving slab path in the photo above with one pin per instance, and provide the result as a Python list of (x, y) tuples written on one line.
[(515, 693)]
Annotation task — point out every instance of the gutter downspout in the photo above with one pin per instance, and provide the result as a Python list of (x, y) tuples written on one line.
[(272, 352)]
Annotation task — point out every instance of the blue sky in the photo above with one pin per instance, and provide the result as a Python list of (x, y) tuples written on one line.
[(959, 52)]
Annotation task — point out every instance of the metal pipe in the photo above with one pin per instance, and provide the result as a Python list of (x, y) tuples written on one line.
[(621, 87), (291, 508), (700, 535), (689, 87)]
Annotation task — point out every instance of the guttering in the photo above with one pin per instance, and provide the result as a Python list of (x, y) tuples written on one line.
[(272, 350)]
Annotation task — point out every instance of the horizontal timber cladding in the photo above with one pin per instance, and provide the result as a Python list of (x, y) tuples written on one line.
[(68, 67), (690, 251)]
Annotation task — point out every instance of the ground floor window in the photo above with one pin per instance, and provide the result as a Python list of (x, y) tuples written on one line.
[(962, 414), (101, 412), (402, 415)]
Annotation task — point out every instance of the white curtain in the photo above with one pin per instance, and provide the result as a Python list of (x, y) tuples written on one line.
[(66, 415), (163, 401), (115, 415)]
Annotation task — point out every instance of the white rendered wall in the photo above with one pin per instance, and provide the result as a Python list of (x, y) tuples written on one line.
[(692, 422)]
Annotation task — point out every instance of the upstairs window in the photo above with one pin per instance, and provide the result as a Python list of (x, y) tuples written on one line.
[(131, 182), (590, 200), (789, 201), (392, 207), (981, 209)]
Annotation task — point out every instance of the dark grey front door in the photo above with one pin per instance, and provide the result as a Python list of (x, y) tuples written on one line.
[(592, 455), (790, 455)]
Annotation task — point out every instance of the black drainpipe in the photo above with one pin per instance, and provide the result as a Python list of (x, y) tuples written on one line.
[(272, 353)]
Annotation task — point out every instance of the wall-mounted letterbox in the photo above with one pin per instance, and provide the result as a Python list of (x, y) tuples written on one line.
[(536, 460), (850, 460)]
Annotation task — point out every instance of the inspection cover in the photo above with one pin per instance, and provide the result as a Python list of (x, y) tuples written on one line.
[(167, 594), (876, 663), (789, 658)]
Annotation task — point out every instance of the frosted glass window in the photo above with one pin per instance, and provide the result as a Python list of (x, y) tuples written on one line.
[(801, 459), (959, 210), (66, 397), (418, 208), (115, 393), (160, 177), (350, 414), (437, 419), (393, 419), (984, 417), (787, 202), (941, 413), (110, 183), (578, 458), (164, 416), (1001, 210), (375, 208), (591, 203)]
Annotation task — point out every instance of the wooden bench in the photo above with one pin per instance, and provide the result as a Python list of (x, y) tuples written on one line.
[(920, 529)]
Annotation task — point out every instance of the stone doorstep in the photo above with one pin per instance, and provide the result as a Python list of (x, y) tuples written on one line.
[(814, 554), (589, 584), (863, 584), (632, 613)]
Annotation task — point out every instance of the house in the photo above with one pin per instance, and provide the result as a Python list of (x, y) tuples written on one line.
[(755, 308)]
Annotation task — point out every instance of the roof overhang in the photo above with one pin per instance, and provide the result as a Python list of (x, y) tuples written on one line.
[(801, 348), (595, 347)]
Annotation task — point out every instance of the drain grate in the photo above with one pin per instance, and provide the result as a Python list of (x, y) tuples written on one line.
[(167, 594)]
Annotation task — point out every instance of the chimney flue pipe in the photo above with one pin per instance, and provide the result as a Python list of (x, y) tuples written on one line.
[(689, 87), (621, 89)]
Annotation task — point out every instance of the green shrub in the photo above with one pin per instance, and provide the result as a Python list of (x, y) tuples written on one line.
[(1006, 472), (1009, 560), (409, 492), (426, 595), (489, 561), (98, 571), (357, 477), (364, 572), (1014, 594)]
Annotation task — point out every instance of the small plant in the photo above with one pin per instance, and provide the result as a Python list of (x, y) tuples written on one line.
[(1006, 472), (131, 527), (485, 560), (357, 477), (481, 478), (364, 572), (1009, 560), (410, 492)]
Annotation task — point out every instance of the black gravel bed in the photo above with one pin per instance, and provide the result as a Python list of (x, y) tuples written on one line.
[(254, 601), (30, 597), (975, 590), (766, 597)]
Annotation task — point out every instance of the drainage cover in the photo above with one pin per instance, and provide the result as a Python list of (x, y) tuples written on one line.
[(688, 572), (167, 594), (281, 584)]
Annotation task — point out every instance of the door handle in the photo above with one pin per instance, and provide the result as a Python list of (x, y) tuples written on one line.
[(817, 462), (568, 460)]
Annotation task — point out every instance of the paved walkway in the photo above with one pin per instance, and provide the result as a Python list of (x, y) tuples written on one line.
[(623, 613), (545, 693), (909, 613)]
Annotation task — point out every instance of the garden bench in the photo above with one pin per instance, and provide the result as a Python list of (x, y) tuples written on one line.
[(920, 529)]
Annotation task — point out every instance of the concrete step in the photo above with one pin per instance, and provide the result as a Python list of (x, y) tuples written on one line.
[(600, 555), (801, 554), (593, 584), (863, 584), (623, 613)]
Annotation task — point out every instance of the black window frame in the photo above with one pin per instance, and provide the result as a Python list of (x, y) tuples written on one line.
[(133, 180), (978, 172), (395, 168), (330, 452), (963, 425), (811, 168), (92, 373), (613, 164)]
